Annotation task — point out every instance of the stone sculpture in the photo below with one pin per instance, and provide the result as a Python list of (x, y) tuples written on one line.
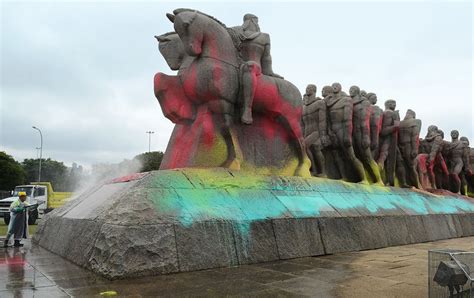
[(232, 110), (431, 146), (388, 141), (440, 165), (467, 177), (361, 133), (454, 160), (408, 144), (220, 71), (376, 117), (340, 111), (315, 130)]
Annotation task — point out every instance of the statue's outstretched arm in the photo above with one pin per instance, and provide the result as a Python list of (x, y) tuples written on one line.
[(415, 139), (466, 160), (267, 62), (436, 147)]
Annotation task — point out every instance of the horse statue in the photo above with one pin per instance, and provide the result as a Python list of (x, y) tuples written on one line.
[(208, 74)]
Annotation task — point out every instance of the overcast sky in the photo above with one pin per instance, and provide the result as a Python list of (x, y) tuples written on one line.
[(83, 72)]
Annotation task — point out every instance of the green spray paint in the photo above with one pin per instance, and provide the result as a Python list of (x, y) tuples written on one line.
[(219, 195)]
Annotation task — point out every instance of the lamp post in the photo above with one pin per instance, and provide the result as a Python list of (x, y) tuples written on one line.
[(41, 152), (149, 140)]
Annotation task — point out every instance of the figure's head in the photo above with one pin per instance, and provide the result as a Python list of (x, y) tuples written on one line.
[(454, 134), (251, 22), (432, 128), (363, 93), (311, 89), (372, 97), (22, 196), (354, 90), (441, 133), (191, 33), (250, 17), (327, 90), (410, 114), (464, 140), (390, 104), (336, 87), (171, 48)]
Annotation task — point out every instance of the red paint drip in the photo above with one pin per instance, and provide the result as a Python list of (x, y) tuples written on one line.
[(128, 178)]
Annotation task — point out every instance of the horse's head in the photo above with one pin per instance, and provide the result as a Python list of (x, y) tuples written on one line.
[(189, 28), (171, 48)]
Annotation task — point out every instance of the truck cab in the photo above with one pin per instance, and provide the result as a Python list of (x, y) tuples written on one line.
[(35, 194)]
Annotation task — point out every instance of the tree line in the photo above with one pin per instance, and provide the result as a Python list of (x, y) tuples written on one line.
[(63, 178)]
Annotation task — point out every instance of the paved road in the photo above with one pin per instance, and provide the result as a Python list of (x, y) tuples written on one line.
[(389, 272)]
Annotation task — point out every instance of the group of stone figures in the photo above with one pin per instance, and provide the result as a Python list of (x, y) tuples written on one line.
[(225, 80), (367, 144)]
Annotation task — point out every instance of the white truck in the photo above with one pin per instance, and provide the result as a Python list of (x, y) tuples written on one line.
[(40, 193)]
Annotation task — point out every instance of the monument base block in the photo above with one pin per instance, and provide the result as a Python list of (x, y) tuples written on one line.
[(191, 219)]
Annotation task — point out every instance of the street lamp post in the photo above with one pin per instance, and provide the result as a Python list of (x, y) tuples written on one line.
[(149, 139), (41, 152)]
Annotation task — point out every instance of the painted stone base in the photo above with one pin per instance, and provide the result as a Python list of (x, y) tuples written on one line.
[(192, 219), (263, 148)]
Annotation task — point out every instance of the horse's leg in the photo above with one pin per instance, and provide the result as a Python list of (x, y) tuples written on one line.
[(296, 141), (233, 151), (175, 105), (223, 111), (308, 142)]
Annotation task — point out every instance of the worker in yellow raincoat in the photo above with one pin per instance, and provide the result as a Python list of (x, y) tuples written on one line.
[(18, 226)]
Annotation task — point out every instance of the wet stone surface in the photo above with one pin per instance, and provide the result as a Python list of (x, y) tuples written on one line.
[(399, 271)]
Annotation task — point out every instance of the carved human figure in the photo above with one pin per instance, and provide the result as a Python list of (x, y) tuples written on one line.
[(408, 144), (337, 88), (315, 130), (388, 141), (376, 117), (340, 110), (432, 145), (254, 52), (467, 177), (363, 93), (454, 160), (440, 166), (361, 133)]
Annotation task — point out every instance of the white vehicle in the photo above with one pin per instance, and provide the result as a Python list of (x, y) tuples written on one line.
[(35, 194)]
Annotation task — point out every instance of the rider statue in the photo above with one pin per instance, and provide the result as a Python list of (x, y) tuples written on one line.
[(254, 52)]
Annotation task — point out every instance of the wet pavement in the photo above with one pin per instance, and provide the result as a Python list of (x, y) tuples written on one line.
[(399, 271)]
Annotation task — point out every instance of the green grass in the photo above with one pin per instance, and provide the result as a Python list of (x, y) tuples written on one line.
[(3, 228)]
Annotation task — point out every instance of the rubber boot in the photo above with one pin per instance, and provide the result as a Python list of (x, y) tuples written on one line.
[(17, 243), (5, 244)]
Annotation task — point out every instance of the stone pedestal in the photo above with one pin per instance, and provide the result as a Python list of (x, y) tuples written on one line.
[(192, 219)]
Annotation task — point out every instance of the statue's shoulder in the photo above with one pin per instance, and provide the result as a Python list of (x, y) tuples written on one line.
[(264, 38), (366, 102), (320, 103)]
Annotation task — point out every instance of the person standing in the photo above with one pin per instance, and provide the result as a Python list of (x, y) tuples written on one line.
[(18, 226)]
